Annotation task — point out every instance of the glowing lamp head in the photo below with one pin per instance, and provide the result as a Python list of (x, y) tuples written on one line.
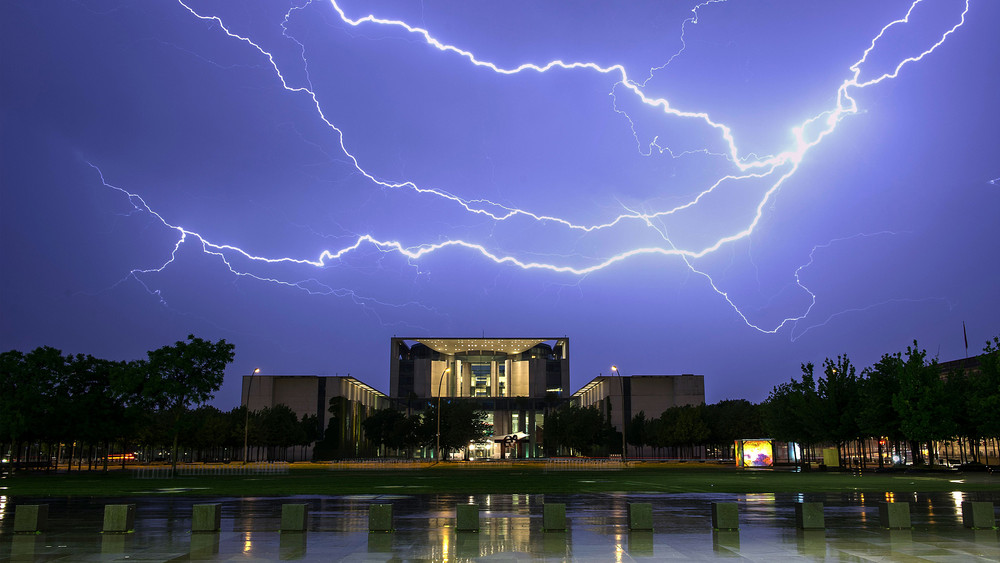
[(614, 368), (256, 371)]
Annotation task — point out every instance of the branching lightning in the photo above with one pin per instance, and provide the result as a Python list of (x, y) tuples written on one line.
[(775, 169)]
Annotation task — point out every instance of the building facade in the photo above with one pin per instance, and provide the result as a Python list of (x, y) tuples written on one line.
[(515, 380), (650, 394), (340, 403)]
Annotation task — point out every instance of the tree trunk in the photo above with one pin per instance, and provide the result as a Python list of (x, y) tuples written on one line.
[(173, 455)]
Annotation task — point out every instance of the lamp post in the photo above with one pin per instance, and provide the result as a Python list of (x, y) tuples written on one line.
[(440, 380), (246, 419), (624, 421)]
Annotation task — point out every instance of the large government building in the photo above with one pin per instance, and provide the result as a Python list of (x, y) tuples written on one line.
[(516, 381)]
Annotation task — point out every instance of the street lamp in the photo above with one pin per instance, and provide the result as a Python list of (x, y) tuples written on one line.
[(246, 419), (624, 422), (440, 380)]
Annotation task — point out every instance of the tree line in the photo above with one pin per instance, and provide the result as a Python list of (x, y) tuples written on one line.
[(686, 431), (903, 402), (460, 423), (48, 399)]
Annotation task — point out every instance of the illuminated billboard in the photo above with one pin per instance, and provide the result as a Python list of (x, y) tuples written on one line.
[(754, 453)]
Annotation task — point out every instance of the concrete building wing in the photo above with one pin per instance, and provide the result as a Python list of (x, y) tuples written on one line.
[(650, 394)]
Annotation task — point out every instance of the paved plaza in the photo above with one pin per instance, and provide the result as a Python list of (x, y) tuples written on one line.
[(511, 529)]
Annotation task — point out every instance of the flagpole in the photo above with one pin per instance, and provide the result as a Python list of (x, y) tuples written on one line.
[(966, 336)]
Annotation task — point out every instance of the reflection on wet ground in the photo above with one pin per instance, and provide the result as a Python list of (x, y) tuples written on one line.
[(511, 529)]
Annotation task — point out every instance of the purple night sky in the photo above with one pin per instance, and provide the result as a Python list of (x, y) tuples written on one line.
[(728, 189)]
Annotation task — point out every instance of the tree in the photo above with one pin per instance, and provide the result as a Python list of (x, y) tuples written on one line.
[(876, 415), (310, 430), (839, 403), (637, 431), (984, 403), (175, 377), (462, 422), (790, 410), (27, 387), (919, 403), (581, 429), (381, 428), (730, 420), (281, 428), (94, 410), (682, 426)]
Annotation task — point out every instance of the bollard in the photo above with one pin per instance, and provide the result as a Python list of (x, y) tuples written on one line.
[(380, 518), (640, 516), (119, 518), (809, 516), (467, 518), (894, 515), (553, 517), (725, 516), (293, 517), (30, 518), (206, 517), (976, 515)]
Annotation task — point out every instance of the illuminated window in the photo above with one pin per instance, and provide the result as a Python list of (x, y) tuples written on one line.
[(480, 379)]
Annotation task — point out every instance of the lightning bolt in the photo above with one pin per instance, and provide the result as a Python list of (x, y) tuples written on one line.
[(774, 169), (311, 286)]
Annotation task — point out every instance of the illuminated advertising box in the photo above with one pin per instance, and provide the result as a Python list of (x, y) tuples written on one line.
[(754, 453)]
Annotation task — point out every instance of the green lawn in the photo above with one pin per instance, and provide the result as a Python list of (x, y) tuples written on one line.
[(455, 478)]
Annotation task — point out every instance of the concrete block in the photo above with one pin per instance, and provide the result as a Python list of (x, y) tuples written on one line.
[(809, 516), (467, 518), (380, 518), (975, 515), (206, 517), (554, 517), (293, 517), (894, 515), (30, 518), (119, 518), (725, 516), (640, 516)]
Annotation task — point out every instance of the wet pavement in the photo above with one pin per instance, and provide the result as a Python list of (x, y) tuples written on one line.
[(511, 529)]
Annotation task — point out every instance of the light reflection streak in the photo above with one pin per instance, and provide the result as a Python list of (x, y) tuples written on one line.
[(247, 543), (445, 546)]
